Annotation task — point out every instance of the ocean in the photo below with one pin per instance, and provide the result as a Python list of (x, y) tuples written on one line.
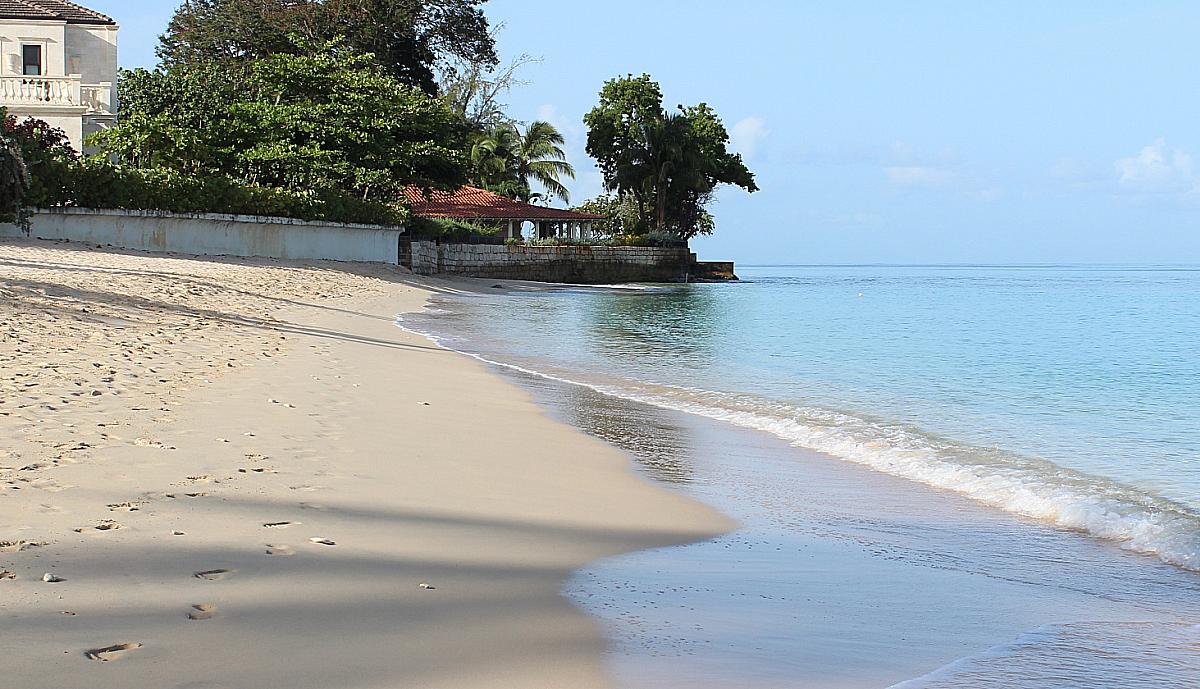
[(1029, 435)]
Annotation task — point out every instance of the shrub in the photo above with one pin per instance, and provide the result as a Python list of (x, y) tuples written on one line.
[(454, 230), (47, 154), (100, 184)]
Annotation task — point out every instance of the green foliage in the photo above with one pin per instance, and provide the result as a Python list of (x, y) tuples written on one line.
[(507, 161), (407, 37), (452, 229), (665, 165), (333, 119), (14, 180), (97, 183), (329, 121), (46, 155), (620, 213)]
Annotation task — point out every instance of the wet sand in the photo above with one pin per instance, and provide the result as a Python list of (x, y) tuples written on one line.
[(242, 474)]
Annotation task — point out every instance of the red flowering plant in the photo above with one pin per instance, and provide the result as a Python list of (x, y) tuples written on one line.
[(48, 157)]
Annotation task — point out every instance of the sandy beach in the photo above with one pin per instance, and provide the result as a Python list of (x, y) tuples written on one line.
[(241, 474)]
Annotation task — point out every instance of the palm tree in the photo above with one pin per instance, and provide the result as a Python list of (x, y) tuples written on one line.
[(507, 161), (540, 158), (491, 155)]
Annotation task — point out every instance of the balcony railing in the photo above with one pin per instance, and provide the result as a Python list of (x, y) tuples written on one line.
[(68, 92)]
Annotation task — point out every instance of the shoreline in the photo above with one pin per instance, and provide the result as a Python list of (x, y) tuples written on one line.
[(351, 432), (840, 576)]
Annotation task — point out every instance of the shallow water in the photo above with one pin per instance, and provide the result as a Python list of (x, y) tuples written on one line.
[(1012, 462)]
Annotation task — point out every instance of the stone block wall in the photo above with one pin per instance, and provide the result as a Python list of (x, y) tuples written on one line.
[(571, 264)]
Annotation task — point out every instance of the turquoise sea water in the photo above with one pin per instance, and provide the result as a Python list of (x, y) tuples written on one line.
[(1063, 400), (1069, 394)]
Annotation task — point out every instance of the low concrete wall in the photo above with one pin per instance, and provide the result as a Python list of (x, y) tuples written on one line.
[(217, 235), (575, 264)]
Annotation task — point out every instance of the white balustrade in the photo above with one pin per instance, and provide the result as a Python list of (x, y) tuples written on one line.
[(43, 92)]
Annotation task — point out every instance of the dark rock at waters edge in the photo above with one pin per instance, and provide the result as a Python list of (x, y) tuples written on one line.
[(712, 271)]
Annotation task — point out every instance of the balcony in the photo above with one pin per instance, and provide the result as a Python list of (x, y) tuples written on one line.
[(48, 93)]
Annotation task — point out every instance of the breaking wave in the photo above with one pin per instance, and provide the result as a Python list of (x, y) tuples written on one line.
[(1139, 521)]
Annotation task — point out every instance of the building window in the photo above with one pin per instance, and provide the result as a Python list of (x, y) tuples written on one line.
[(32, 57)]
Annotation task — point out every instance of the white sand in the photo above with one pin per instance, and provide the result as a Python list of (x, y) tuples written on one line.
[(364, 509)]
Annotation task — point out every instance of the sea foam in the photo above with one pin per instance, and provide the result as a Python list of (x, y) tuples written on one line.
[(1030, 487)]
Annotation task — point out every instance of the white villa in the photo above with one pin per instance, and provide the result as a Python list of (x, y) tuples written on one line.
[(58, 63)]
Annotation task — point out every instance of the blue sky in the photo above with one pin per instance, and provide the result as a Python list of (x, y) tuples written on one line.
[(928, 132)]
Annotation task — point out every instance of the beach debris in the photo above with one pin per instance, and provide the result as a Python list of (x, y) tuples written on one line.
[(273, 401), (68, 613), (497, 286), (427, 587), (202, 611), (16, 546), (108, 653), (321, 541), (52, 578), (278, 525), (123, 507), (5, 574), (213, 574), (177, 533), (424, 404)]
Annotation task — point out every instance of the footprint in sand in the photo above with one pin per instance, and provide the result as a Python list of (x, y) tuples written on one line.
[(202, 611), (321, 541), (213, 574), (16, 546), (280, 550), (123, 507), (106, 525), (109, 653), (278, 525)]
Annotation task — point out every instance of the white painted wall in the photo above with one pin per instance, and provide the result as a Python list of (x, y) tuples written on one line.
[(51, 35), (83, 53), (217, 235)]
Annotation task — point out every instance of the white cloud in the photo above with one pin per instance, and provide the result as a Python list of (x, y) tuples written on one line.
[(1158, 169), (746, 136), (918, 175)]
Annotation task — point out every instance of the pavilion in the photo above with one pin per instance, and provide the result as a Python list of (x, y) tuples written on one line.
[(479, 205)]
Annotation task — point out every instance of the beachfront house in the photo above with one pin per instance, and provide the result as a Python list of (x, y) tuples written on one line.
[(476, 205), (58, 63)]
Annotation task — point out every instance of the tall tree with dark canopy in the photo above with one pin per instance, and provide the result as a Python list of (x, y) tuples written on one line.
[(408, 37), (669, 164)]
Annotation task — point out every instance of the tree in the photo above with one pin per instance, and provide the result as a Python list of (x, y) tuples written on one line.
[(669, 164), (14, 179), (473, 91), (620, 214), (507, 161), (407, 37), (321, 117)]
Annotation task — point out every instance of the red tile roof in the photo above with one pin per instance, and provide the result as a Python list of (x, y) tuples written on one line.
[(473, 203), (52, 10)]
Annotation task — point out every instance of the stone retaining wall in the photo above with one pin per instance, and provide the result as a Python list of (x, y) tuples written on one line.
[(574, 264)]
